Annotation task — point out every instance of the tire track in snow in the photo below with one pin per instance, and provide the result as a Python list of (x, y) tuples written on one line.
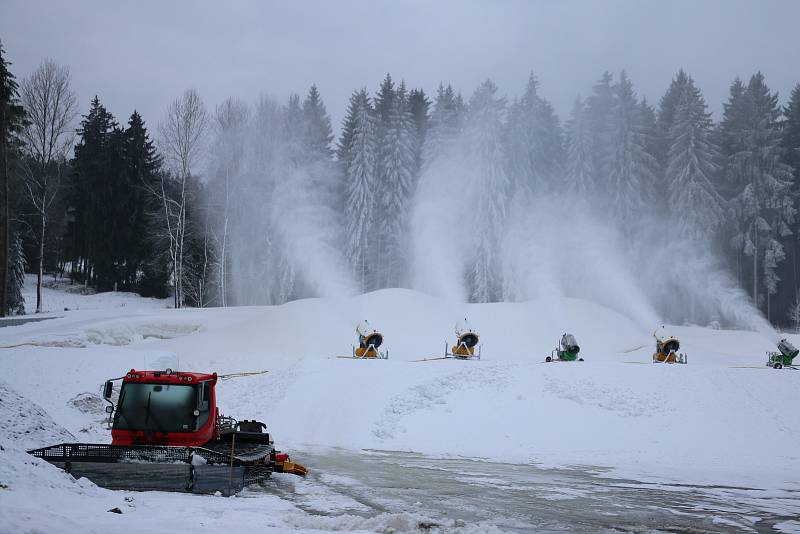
[(435, 391)]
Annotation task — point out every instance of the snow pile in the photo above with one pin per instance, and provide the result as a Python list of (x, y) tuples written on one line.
[(127, 332), (25, 424)]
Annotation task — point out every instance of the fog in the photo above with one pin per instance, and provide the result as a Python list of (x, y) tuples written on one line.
[(287, 232)]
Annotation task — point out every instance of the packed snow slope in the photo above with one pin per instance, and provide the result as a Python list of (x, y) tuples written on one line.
[(724, 418)]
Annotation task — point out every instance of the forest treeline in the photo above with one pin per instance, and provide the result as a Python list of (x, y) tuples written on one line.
[(247, 203)]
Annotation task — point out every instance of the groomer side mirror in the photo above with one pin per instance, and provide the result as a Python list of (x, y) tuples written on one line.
[(108, 389)]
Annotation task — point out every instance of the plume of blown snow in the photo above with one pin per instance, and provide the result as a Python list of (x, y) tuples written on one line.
[(553, 252), (440, 223), (302, 219)]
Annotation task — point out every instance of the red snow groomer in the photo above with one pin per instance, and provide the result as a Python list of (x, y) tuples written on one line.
[(167, 434)]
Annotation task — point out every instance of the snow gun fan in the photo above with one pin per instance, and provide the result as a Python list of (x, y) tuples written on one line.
[(667, 350), (784, 357), (369, 342), (566, 351), (467, 341), (167, 435)]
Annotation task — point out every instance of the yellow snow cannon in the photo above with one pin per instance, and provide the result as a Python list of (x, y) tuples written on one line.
[(667, 349), (369, 341), (467, 340)]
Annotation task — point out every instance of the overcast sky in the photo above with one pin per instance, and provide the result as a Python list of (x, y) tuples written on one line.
[(143, 54)]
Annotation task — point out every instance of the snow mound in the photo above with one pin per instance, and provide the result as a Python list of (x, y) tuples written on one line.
[(120, 333), (26, 425)]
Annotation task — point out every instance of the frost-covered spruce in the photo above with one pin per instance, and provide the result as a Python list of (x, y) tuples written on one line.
[(419, 105), (699, 210), (360, 186), (397, 167), (446, 123), (762, 208), (599, 115), (791, 133), (666, 114), (317, 130), (534, 143), (630, 168), (579, 176), (485, 151)]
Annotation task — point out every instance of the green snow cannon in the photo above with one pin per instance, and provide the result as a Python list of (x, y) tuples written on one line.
[(567, 350), (784, 358)]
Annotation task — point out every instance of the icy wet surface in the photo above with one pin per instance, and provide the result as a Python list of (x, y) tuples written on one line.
[(457, 493)]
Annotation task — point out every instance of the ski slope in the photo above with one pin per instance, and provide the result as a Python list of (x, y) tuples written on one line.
[(724, 419)]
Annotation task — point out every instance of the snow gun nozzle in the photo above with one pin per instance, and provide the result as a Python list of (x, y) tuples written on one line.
[(787, 349)]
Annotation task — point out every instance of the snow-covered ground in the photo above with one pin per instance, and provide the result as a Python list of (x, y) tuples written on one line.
[(59, 295), (724, 421)]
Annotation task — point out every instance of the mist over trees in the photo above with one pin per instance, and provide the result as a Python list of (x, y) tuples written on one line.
[(263, 202)]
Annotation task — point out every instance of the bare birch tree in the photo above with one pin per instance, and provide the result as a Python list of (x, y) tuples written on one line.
[(182, 139), (52, 108)]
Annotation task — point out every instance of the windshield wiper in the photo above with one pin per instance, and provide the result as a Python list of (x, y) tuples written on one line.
[(147, 409), (147, 415)]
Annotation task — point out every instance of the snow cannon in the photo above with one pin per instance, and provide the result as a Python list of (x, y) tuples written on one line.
[(467, 340), (369, 341), (784, 357), (667, 350), (566, 351)]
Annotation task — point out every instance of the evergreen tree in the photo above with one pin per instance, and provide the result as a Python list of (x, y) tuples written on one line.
[(534, 143), (318, 133), (361, 185), (600, 117), (730, 136), (486, 154), (344, 145), (791, 156), (666, 116), (629, 167), (142, 166), (397, 164), (699, 210), (650, 137), (579, 175), (115, 173), (384, 103), (12, 123), (446, 123), (91, 168), (763, 208), (791, 136), (419, 105), (16, 279)]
